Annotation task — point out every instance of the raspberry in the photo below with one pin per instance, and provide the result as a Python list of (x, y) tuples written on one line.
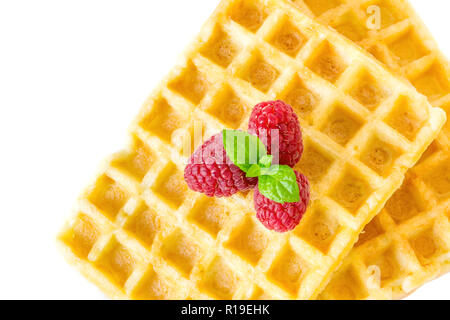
[(282, 217), (271, 115), (211, 172)]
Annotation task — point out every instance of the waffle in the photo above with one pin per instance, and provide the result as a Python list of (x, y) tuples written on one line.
[(408, 243), (139, 233)]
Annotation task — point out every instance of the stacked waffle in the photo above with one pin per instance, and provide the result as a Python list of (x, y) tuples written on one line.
[(139, 232), (408, 243)]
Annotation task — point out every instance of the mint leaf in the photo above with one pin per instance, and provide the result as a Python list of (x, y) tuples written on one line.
[(243, 149), (262, 168), (276, 182), (265, 161), (254, 171), (269, 171), (281, 186)]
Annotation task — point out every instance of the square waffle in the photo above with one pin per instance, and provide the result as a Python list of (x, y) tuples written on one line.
[(139, 233), (408, 244)]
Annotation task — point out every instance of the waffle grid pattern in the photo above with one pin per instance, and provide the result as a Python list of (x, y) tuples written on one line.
[(407, 244), (140, 233), (403, 43)]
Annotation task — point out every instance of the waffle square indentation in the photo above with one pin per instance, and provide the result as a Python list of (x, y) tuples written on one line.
[(426, 245), (288, 270), (319, 228), (372, 230), (301, 98), (368, 91), (438, 177), (380, 155), (219, 280), (228, 107), (108, 196), (137, 162), (249, 241), (327, 63), (170, 186), (433, 82), (408, 48), (351, 191), (209, 215), (288, 38), (347, 286), (163, 120), (406, 118), (181, 252), (318, 7), (117, 262), (351, 26), (191, 84), (315, 162), (250, 15), (82, 235), (405, 203), (153, 287), (388, 264), (260, 73), (144, 224), (342, 125), (220, 48)]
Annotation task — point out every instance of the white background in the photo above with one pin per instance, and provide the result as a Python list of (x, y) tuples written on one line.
[(73, 74)]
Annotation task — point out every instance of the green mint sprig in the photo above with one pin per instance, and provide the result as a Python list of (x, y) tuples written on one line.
[(276, 182), (243, 149)]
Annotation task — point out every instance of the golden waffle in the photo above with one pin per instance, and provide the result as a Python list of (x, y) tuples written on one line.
[(408, 244), (139, 233)]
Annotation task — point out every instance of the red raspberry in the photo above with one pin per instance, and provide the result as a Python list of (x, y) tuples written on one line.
[(211, 172), (278, 115), (282, 217)]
